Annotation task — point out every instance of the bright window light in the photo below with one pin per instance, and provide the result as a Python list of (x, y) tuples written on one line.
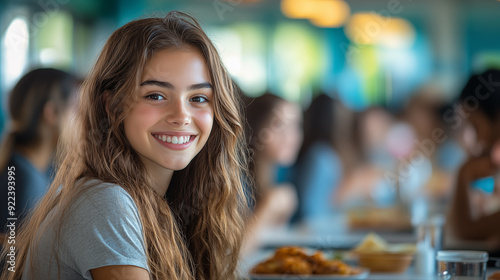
[(15, 46)]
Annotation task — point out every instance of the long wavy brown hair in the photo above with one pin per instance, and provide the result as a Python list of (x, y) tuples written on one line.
[(196, 230)]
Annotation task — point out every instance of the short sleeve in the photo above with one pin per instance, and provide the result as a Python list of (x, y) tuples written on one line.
[(103, 228)]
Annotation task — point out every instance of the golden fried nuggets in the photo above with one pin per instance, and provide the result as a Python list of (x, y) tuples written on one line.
[(293, 260)]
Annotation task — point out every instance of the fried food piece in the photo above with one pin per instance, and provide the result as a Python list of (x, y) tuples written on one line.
[(283, 265), (295, 265), (293, 260), (317, 257), (270, 266), (316, 260), (333, 267), (292, 251)]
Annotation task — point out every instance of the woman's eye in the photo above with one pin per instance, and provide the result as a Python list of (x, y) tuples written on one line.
[(155, 96), (199, 99)]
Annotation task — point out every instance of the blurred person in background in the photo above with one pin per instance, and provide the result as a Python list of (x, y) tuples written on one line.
[(37, 105), (319, 167), (434, 142), (474, 212), (365, 183), (346, 140), (275, 135)]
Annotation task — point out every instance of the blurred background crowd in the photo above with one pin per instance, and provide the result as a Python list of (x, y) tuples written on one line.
[(359, 107)]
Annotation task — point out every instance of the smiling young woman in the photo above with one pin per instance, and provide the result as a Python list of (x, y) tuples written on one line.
[(150, 175)]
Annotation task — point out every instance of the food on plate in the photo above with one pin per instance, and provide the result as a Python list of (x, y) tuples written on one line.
[(373, 243), (377, 255), (294, 260)]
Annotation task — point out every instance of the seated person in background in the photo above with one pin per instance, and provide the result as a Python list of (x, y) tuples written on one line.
[(474, 213), (275, 136), (365, 184), (319, 168), (37, 105), (434, 145)]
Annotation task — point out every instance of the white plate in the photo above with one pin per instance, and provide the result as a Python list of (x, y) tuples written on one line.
[(364, 273)]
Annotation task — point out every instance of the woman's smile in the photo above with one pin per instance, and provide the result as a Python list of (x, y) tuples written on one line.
[(175, 141)]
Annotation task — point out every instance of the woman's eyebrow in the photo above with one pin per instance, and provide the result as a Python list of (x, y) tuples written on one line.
[(157, 83), (170, 86), (200, 86)]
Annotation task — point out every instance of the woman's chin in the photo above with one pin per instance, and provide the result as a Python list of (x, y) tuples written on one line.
[(175, 166)]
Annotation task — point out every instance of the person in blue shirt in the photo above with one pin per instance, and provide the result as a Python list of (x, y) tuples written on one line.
[(319, 168), (474, 210), (37, 105)]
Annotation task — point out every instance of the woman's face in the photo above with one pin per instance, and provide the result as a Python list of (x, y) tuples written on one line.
[(284, 134), (173, 114)]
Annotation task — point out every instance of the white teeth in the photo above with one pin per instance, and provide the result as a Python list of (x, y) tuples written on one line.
[(174, 139)]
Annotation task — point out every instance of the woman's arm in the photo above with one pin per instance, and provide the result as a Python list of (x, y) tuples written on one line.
[(120, 272)]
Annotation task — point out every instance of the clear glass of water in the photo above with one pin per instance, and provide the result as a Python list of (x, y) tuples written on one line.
[(462, 265)]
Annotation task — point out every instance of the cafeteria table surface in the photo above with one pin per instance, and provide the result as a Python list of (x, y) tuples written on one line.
[(247, 263), (330, 235)]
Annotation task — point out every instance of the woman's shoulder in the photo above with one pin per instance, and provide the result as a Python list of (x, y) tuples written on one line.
[(97, 189), (100, 226), (107, 209), (104, 197)]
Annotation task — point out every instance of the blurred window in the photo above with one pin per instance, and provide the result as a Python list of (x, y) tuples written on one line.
[(14, 51)]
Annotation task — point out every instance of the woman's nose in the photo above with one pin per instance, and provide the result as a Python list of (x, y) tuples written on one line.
[(178, 114)]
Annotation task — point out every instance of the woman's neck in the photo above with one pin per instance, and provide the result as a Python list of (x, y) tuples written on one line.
[(161, 176), (162, 182)]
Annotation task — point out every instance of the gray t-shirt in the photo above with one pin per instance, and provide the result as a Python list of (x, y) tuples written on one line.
[(102, 228)]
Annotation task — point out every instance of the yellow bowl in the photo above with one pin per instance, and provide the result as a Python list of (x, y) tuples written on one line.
[(385, 261)]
